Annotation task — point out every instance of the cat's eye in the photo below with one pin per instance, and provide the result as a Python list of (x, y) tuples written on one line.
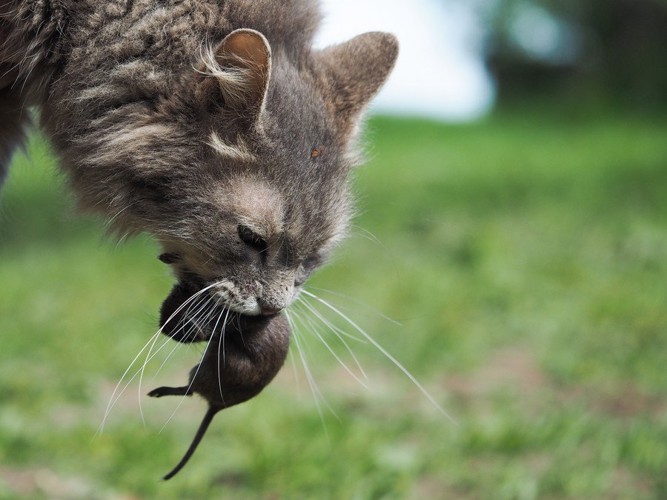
[(252, 239)]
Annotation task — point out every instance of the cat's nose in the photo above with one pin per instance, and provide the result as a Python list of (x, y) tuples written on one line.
[(267, 309), (270, 311)]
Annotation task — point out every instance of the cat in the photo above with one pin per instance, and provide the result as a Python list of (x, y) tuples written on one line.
[(213, 125)]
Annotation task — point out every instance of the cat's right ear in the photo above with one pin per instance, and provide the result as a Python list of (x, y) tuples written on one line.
[(235, 75), (354, 72)]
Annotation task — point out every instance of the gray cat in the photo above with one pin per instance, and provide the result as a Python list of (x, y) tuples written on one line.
[(211, 124)]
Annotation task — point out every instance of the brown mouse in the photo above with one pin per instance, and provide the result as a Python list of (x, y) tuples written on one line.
[(253, 351)]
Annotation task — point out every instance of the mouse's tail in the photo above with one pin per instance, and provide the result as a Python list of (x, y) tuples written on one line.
[(206, 421)]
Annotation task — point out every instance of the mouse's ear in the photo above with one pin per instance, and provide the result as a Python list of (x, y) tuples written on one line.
[(236, 73), (354, 72)]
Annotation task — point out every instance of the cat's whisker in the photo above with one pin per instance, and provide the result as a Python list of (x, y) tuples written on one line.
[(186, 303), (149, 357), (195, 299), (187, 336), (338, 331), (111, 401), (200, 317), (138, 373), (209, 344), (224, 310), (142, 369), (184, 326), (190, 304), (116, 395), (309, 377), (314, 388), (386, 353), (368, 308), (295, 369), (221, 347), (196, 303), (316, 331), (192, 378), (335, 330), (365, 233)]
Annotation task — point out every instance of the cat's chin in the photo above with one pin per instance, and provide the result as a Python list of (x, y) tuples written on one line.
[(177, 321)]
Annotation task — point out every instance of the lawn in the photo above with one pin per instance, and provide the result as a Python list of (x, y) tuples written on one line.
[(517, 267)]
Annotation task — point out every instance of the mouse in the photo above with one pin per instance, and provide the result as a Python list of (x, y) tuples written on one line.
[(251, 352)]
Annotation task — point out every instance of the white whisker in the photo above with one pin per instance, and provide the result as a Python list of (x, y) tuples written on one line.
[(186, 303), (386, 353), (192, 378), (336, 331), (317, 394), (359, 303), (315, 330), (116, 395), (208, 346), (365, 233), (201, 317), (149, 356), (143, 367), (111, 399), (295, 370), (221, 347), (201, 303)]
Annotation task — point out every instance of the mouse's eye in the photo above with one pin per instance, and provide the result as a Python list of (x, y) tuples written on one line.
[(316, 152), (252, 239)]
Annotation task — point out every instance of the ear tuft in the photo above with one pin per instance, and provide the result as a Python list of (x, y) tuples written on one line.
[(237, 74), (356, 70)]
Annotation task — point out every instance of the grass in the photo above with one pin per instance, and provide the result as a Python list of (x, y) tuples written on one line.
[(525, 257)]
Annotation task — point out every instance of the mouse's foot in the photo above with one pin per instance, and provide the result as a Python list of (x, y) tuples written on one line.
[(171, 391)]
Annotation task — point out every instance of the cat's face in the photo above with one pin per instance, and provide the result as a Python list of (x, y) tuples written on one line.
[(270, 206), (256, 239), (246, 177), (256, 247)]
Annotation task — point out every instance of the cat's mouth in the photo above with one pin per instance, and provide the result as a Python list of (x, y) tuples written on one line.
[(188, 315)]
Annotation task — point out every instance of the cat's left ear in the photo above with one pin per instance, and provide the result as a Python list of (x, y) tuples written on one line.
[(354, 72), (236, 74)]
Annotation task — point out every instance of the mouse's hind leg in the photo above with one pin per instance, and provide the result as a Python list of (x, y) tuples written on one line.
[(171, 391)]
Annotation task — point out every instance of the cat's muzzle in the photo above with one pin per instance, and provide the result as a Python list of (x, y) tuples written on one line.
[(189, 320)]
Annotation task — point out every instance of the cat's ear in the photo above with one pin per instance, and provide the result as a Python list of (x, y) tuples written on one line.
[(236, 74), (355, 71)]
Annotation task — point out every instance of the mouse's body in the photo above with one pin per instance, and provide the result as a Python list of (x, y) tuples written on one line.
[(235, 367)]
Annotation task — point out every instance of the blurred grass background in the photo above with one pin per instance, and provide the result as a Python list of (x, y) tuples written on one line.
[(523, 255)]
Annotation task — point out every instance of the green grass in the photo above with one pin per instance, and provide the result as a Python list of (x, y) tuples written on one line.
[(525, 258)]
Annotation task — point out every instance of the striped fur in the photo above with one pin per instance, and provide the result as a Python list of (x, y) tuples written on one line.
[(188, 119)]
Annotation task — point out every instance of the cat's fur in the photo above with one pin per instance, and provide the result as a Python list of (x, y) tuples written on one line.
[(211, 124)]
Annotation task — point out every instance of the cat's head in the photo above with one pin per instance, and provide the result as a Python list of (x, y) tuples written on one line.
[(245, 169)]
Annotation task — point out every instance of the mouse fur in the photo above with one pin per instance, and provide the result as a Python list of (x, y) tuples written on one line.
[(237, 364)]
